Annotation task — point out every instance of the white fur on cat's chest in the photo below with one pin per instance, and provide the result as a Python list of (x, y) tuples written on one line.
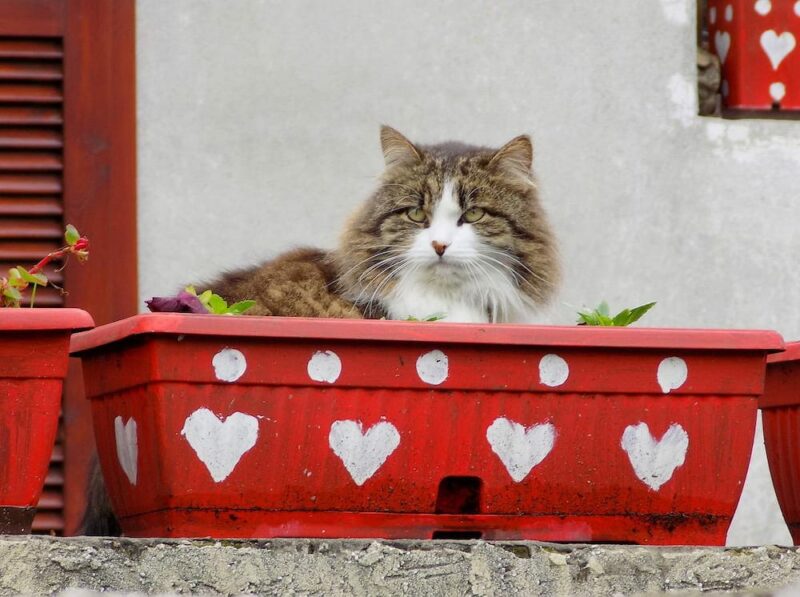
[(421, 302)]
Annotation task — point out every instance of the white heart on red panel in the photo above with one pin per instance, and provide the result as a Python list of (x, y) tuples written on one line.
[(127, 447), (220, 444), (777, 47), (363, 453), (722, 42), (518, 448), (654, 462)]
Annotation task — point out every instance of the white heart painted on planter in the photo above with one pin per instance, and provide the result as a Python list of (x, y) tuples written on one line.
[(722, 42), (763, 7), (672, 374), (127, 447), (777, 46), (363, 453), (220, 444), (777, 91), (520, 449), (653, 461), (712, 14)]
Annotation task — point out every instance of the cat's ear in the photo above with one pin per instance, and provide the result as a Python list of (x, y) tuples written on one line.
[(515, 160), (397, 150)]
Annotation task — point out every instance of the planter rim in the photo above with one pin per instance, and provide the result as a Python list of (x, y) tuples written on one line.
[(39, 319), (791, 353), (425, 332)]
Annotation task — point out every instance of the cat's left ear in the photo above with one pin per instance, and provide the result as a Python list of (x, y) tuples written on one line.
[(515, 160), (397, 150)]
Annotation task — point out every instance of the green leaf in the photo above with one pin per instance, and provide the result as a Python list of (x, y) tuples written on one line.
[(71, 235), (205, 297), (190, 289), (12, 293), (30, 278), (622, 318), (240, 307), (217, 304), (588, 317), (602, 309), (15, 278), (637, 312)]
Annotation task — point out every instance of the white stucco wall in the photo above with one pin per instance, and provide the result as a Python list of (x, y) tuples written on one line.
[(258, 130)]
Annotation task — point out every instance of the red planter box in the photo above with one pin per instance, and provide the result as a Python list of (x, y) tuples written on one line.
[(34, 350), (270, 427), (757, 42), (780, 411)]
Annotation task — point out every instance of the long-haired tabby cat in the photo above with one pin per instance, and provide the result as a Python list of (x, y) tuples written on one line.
[(452, 230)]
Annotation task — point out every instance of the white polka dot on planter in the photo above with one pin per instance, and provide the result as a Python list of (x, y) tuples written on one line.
[(729, 13), (672, 374), (553, 370), (324, 366), (432, 367), (797, 8), (229, 364)]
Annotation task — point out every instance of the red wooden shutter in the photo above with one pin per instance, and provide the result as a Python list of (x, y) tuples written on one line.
[(67, 152), (31, 185)]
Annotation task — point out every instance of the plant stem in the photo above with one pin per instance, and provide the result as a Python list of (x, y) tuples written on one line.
[(33, 294), (82, 244)]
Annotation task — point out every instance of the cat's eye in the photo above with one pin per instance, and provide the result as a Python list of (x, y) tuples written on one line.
[(473, 214), (416, 214)]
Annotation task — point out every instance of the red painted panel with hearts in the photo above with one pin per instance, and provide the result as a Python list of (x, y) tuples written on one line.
[(34, 346), (780, 410), (756, 41), (270, 427)]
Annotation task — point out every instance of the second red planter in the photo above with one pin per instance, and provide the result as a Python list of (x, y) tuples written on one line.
[(269, 427)]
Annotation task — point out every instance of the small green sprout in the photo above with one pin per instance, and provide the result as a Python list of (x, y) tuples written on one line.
[(601, 315)]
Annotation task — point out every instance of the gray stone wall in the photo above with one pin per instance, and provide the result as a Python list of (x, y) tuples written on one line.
[(428, 569)]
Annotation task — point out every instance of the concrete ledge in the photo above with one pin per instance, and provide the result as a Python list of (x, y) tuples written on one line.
[(316, 567)]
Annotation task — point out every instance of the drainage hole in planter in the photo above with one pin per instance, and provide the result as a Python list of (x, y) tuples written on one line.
[(459, 535), (459, 495)]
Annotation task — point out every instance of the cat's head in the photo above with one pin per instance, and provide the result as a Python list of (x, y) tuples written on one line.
[(466, 219)]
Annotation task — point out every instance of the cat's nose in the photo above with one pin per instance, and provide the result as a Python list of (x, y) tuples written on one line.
[(440, 248)]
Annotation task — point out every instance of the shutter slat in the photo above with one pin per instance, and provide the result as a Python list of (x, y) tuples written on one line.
[(30, 160), (30, 228), (30, 138), (30, 92), (37, 184), (30, 48), (51, 500), (55, 478), (30, 206), (20, 250), (30, 115), (26, 70), (48, 522)]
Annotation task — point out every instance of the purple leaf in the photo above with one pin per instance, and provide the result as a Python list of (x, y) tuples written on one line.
[(183, 303)]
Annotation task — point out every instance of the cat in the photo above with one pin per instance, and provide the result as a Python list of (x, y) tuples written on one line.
[(452, 231)]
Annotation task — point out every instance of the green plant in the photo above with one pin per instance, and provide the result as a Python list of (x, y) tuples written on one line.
[(601, 316), (218, 305), (14, 286), (434, 317)]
